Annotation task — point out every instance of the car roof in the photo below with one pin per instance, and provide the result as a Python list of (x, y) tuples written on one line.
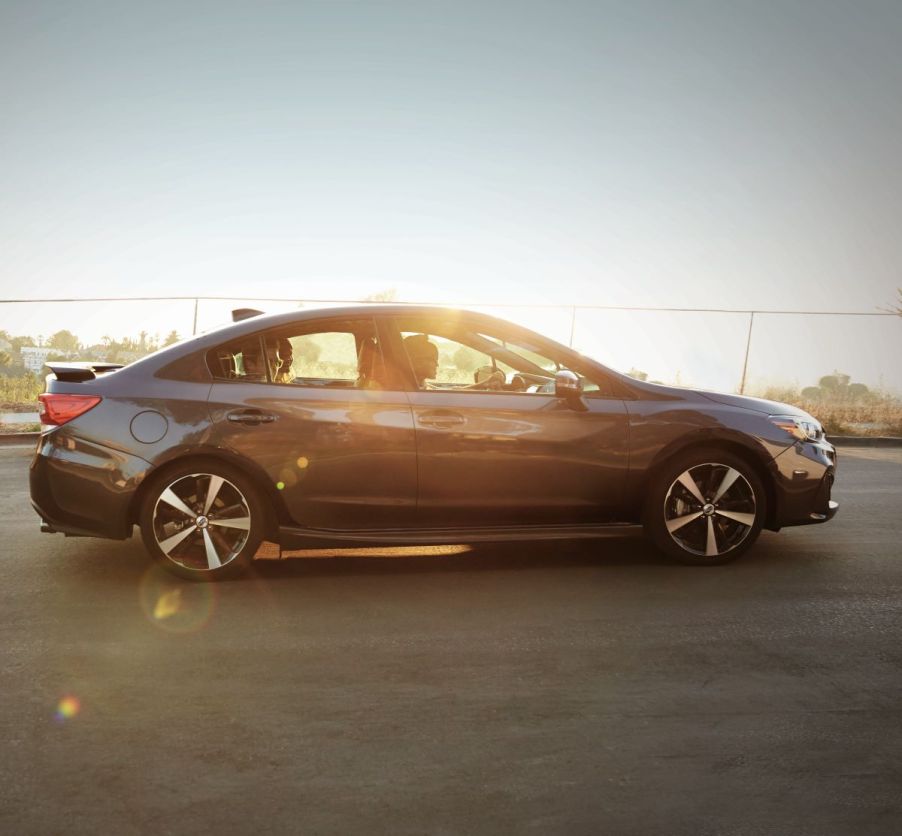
[(254, 324), (261, 322), (371, 309)]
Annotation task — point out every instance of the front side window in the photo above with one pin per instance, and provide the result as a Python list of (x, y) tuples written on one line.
[(454, 356), (339, 353), (440, 362)]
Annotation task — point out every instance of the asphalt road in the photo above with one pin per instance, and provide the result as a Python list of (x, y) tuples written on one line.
[(582, 688)]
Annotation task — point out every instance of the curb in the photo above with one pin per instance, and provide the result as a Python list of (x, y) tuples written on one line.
[(865, 441), (18, 438)]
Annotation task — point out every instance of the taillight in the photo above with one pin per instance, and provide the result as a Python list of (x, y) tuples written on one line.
[(57, 409)]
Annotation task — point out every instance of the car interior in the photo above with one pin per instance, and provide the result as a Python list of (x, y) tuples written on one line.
[(349, 355)]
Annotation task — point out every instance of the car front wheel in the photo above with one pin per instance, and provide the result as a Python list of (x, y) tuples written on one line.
[(705, 507), (202, 522)]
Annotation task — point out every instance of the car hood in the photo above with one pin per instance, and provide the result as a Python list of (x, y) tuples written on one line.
[(755, 404)]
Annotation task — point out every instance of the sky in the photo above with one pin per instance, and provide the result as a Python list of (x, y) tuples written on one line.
[(695, 154)]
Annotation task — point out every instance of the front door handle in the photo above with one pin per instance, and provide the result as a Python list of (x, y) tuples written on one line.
[(441, 419), (251, 417)]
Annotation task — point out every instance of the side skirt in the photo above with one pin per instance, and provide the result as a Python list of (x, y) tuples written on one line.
[(292, 537)]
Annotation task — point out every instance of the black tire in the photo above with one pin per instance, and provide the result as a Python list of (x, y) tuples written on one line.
[(217, 540), (722, 498)]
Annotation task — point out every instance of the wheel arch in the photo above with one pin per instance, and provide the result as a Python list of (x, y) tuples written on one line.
[(272, 502), (754, 454)]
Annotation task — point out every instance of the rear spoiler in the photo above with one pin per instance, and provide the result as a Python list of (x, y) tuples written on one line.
[(78, 372), (240, 314)]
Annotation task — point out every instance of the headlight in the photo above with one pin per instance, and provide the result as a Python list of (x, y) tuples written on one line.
[(800, 429)]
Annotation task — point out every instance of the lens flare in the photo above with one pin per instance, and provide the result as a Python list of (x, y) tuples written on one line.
[(280, 486), (303, 462), (169, 604), (68, 707), (175, 606), (290, 476)]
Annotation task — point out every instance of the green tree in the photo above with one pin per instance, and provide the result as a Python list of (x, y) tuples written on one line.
[(64, 341), (5, 359), (307, 350), (466, 359), (18, 342), (171, 339)]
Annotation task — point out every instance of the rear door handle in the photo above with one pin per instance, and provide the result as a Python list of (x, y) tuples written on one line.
[(251, 417), (441, 419)]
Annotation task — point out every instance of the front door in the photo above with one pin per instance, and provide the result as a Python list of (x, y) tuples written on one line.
[(513, 459), (494, 444)]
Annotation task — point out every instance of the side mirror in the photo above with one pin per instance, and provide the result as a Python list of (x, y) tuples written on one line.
[(569, 387)]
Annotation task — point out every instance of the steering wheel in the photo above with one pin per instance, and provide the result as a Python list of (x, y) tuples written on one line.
[(488, 377)]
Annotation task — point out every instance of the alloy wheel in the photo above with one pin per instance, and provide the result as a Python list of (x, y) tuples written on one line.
[(201, 522), (710, 509)]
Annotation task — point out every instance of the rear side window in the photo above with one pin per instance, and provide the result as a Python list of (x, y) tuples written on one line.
[(329, 355), (240, 360), (339, 353)]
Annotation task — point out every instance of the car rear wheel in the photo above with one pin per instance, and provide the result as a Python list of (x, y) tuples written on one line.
[(202, 522), (705, 508)]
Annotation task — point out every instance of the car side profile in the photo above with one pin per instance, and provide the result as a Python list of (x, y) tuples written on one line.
[(406, 425)]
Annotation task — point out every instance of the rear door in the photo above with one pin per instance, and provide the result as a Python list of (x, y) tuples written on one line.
[(339, 447)]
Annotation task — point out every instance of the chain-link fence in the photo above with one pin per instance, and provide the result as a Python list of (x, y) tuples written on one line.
[(728, 350)]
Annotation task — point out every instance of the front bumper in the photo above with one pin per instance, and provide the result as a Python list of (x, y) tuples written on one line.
[(804, 482), (83, 488), (829, 514)]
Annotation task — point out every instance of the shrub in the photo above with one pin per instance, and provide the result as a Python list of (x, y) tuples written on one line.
[(21, 390), (843, 410)]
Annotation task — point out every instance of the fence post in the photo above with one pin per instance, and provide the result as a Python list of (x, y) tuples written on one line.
[(194, 326), (572, 324), (748, 342)]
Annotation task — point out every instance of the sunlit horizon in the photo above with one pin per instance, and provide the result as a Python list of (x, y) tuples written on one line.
[(720, 156), (704, 350)]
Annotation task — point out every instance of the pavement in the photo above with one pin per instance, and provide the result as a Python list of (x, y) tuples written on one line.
[(573, 688)]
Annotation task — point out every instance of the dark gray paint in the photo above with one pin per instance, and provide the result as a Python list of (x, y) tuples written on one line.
[(377, 460)]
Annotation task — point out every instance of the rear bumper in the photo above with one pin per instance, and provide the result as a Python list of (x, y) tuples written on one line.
[(83, 488)]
